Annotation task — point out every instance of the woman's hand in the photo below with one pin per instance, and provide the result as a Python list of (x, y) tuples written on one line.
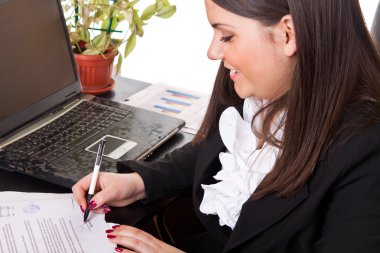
[(137, 240), (111, 189)]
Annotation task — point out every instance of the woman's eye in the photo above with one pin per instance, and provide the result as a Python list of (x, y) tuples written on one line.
[(226, 38)]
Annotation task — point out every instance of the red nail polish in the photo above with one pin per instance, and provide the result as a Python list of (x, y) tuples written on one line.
[(109, 231), (92, 205), (111, 236), (118, 249), (116, 226), (106, 210), (81, 208)]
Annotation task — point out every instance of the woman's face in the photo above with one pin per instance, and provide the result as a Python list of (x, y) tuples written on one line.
[(259, 64)]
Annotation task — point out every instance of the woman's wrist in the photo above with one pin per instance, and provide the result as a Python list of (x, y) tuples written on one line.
[(139, 186)]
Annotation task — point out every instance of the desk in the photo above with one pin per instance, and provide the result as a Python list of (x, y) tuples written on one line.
[(135, 214)]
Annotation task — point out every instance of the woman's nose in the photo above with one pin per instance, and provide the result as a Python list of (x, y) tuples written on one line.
[(215, 50)]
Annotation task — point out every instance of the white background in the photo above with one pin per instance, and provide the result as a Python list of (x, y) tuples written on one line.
[(173, 51)]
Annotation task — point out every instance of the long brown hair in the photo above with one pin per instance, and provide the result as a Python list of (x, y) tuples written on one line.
[(337, 71)]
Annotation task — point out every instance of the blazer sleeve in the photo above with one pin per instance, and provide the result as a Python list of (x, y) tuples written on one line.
[(352, 219), (168, 176)]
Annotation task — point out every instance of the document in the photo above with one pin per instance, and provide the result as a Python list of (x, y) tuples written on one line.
[(184, 104), (51, 225)]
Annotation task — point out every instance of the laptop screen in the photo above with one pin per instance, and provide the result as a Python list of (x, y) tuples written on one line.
[(36, 60)]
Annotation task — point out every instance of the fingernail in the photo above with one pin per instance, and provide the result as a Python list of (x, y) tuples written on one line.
[(116, 226), (109, 231), (118, 249), (111, 236), (107, 210), (81, 208), (92, 205)]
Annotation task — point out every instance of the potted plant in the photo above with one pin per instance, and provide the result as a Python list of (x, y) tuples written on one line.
[(97, 35)]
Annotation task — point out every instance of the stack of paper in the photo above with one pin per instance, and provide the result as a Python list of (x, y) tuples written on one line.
[(37, 222)]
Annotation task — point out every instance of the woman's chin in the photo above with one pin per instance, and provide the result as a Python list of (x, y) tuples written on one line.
[(243, 94)]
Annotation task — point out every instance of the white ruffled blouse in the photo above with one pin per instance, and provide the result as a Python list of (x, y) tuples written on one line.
[(243, 165)]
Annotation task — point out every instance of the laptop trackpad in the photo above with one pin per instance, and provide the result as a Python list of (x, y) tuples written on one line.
[(115, 147)]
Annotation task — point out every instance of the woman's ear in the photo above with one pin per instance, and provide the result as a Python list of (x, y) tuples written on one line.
[(287, 27)]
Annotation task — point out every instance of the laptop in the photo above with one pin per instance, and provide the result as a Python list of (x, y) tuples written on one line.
[(48, 128)]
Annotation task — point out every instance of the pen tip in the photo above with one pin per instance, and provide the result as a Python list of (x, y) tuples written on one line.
[(85, 216)]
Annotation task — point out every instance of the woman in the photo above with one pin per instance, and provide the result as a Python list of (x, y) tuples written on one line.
[(288, 156)]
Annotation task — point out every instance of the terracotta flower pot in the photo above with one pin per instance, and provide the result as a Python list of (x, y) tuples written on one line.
[(95, 72)]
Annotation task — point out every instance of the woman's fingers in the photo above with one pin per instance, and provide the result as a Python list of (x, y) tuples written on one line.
[(117, 249), (132, 238), (135, 233), (80, 190), (97, 203), (119, 189), (138, 240), (105, 191), (112, 189), (109, 195), (103, 209), (133, 244)]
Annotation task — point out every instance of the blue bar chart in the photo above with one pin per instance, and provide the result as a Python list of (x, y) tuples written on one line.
[(185, 104)]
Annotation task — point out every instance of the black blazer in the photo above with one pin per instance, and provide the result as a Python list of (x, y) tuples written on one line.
[(338, 210)]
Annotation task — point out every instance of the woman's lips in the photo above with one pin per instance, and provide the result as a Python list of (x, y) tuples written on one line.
[(234, 74)]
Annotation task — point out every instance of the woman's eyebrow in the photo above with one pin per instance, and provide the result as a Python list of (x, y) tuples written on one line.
[(215, 25)]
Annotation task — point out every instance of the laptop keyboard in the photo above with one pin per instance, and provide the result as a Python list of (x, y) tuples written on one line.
[(67, 132)]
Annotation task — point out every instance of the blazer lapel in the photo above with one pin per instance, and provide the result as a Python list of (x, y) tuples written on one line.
[(208, 153), (258, 215)]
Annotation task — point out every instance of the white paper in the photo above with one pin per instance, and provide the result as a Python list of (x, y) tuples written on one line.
[(49, 225), (184, 104), (12, 196)]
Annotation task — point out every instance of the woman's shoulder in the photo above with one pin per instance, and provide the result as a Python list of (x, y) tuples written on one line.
[(361, 148), (352, 164), (363, 138), (367, 133), (358, 131)]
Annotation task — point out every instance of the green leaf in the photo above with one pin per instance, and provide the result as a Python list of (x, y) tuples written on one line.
[(84, 35), (159, 4), (91, 51), (101, 41), (148, 12), (138, 24), (98, 13), (99, 2), (106, 25), (115, 43), (128, 15), (167, 11), (131, 44), (119, 62), (74, 36)]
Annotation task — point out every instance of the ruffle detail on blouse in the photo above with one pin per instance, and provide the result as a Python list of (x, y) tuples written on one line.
[(243, 165)]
